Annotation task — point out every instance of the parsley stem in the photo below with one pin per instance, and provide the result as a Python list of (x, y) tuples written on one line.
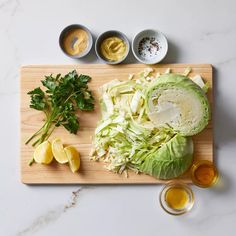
[(50, 132), (36, 142), (31, 161), (45, 135), (35, 134)]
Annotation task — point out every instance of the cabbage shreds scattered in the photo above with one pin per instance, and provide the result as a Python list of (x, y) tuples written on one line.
[(125, 136)]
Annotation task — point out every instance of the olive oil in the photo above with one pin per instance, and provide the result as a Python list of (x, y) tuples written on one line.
[(177, 198)]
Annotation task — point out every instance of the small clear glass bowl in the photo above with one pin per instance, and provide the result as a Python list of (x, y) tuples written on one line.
[(195, 167), (173, 211)]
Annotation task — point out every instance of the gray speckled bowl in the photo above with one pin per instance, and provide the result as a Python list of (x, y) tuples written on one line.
[(71, 27), (160, 38), (108, 34)]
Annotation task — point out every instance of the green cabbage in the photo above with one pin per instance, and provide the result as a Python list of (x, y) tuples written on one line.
[(171, 160), (197, 79), (177, 102), (126, 137)]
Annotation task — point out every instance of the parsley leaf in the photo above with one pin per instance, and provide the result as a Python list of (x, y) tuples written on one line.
[(38, 99), (63, 96)]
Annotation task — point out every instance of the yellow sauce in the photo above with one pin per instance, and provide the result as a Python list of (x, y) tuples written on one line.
[(205, 175), (113, 48), (177, 198), (75, 42)]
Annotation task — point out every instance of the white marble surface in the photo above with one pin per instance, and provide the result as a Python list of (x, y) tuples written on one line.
[(201, 31)]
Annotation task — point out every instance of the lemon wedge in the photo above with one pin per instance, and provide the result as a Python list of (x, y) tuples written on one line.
[(58, 151), (73, 158), (43, 153)]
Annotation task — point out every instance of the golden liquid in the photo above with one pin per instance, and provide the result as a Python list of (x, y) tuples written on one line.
[(204, 174), (177, 198)]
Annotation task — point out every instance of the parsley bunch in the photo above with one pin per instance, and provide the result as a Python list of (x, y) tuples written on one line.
[(64, 95)]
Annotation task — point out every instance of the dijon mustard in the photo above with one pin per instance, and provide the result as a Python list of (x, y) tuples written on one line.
[(75, 41), (113, 48)]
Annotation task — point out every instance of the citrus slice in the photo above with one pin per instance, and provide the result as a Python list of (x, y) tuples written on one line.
[(58, 151), (43, 153), (73, 158)]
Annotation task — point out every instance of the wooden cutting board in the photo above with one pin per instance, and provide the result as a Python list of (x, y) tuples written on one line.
[(92, 172)]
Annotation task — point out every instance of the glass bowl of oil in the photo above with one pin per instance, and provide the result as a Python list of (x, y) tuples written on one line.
[(176, 198), (204, 174)]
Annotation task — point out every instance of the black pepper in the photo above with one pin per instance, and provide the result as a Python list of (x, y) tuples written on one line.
[(148, 47)]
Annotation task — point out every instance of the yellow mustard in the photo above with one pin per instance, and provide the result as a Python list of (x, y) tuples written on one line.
[(113, 48), (75, 42)]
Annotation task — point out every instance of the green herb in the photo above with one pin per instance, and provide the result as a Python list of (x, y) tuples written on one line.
[(64, 95)]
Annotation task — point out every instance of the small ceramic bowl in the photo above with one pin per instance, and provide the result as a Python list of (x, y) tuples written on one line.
[(72, 27), (149, 46), (105, 35)]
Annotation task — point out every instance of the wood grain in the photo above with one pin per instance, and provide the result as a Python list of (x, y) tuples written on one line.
[(92, 172)]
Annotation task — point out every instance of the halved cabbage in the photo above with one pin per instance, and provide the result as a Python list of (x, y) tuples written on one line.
[(176, 101), (171, 160)]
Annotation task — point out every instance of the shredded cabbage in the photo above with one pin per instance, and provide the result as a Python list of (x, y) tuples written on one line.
[(187, 71), (125, 136), (199, 81)]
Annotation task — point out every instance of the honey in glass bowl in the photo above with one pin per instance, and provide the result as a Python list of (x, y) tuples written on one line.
[(204, 174)]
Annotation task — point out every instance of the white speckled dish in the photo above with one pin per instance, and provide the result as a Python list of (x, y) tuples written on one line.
[(162, 42)]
